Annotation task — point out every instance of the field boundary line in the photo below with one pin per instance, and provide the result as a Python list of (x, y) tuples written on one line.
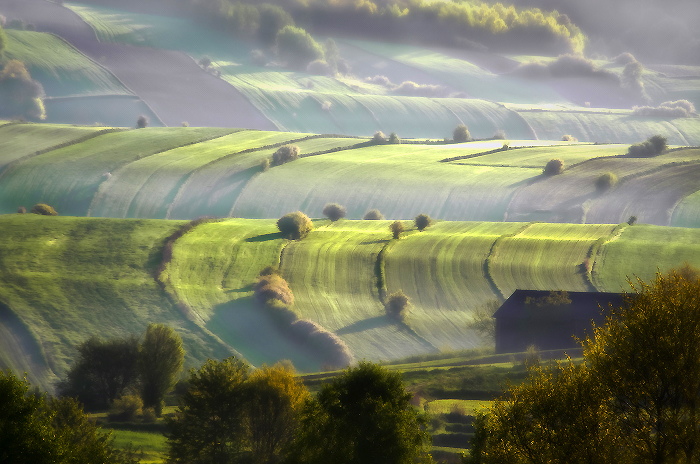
[(9, 166), (492, 250), (597, 249), (483, 153)]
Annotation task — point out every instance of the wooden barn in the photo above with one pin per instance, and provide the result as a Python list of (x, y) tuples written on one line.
[(549, 319)]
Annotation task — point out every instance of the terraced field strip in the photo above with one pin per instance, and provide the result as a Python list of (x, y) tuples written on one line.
[(213, 269), (213, 189), (442, 271), (111, 25), (68, 279), (539, 156), (613, 127), (69, 178), (60, 68), (332, 275), (20, 140), (544, 257), (641, 251), (400, 180), (146, 187)]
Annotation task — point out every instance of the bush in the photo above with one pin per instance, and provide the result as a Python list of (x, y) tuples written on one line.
[(669, 109), (271, 286), (396, 228), (373, 215), (185, 124), (44, 210), (285, 154), (21, 210), (204, 62), (605, 181), (334, 211), (651, 147), (422, 221), (297, 47), (461, 134), (265, 165), (142, 122), (632, 220), (379, 137), (397, 306), (499, 135), (568, 138), (394, 139), (553, 167), (126, 408), (295, 226)]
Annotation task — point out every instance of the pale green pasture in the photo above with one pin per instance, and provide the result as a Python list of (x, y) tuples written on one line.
[(213, 270), (145, 187), (153, 445), (402, 181), (469, 407), (589, 126), (20, 140), (641, 251), (331, 273), (539, 156), (213, 189), (544, 256), (60, 68), (68, 178), (441, 270)]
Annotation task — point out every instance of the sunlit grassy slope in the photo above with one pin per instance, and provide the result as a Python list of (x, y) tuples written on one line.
[(66, 279)]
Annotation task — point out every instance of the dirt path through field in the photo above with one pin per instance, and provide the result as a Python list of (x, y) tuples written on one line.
[(170, 82)]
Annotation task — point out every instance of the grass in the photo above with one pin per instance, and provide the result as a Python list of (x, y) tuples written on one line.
[(67, 279), (69, 178), (468, 407), (62, 70), (153, 445)]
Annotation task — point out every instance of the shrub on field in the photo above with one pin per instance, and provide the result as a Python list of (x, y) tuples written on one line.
[(396, 228), (422, 221), (568, 138), (378, 137), (336, 352), (553, 167), (653, 146), (204, 62), (271, 286), (285, 154), (461, 134), (632, 220), (605, 181), (297, 47), (295, 226), (397, 305), (185, 124), (265, 165), (373, 215), (142, 122), (394, 139), (669, 109), (21, 210), (334, 211), (126, 408), (44, 210), (319, 68), (499, 135)]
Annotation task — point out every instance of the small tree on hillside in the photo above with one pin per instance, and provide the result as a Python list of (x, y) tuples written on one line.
[(160, 361), (396, 228), (142, 122), (205, 62), (461, 134), (285, 154), (568, 138), (379, 137), (44, 210), (605, 181), (422, 221), (397, 305), (334, 211), (553, 167), (394, 139), (295, 226), (373, 215)]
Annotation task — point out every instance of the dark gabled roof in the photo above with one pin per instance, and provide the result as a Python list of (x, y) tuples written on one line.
[(584, 305)]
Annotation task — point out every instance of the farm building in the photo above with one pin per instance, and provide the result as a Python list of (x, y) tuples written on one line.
[(549, 320)]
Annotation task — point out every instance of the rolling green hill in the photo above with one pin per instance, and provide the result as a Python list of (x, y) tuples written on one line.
[(65, 279)]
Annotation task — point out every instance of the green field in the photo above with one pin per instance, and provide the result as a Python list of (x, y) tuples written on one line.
[(62, 70), (153, 445)]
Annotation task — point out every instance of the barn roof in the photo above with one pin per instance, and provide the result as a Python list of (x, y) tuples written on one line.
[(584, 305)]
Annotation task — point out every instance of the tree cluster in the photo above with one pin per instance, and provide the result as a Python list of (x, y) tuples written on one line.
[(106, 370), (652, 146), (35, 429), (20, 95), (633, 399), (270, 289), (553, 167)]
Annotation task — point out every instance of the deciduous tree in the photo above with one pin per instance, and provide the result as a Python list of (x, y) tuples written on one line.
[(160, 361)]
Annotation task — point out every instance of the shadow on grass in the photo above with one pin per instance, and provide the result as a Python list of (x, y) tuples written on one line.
[(265, 237), (246, 289), (365, 324)]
